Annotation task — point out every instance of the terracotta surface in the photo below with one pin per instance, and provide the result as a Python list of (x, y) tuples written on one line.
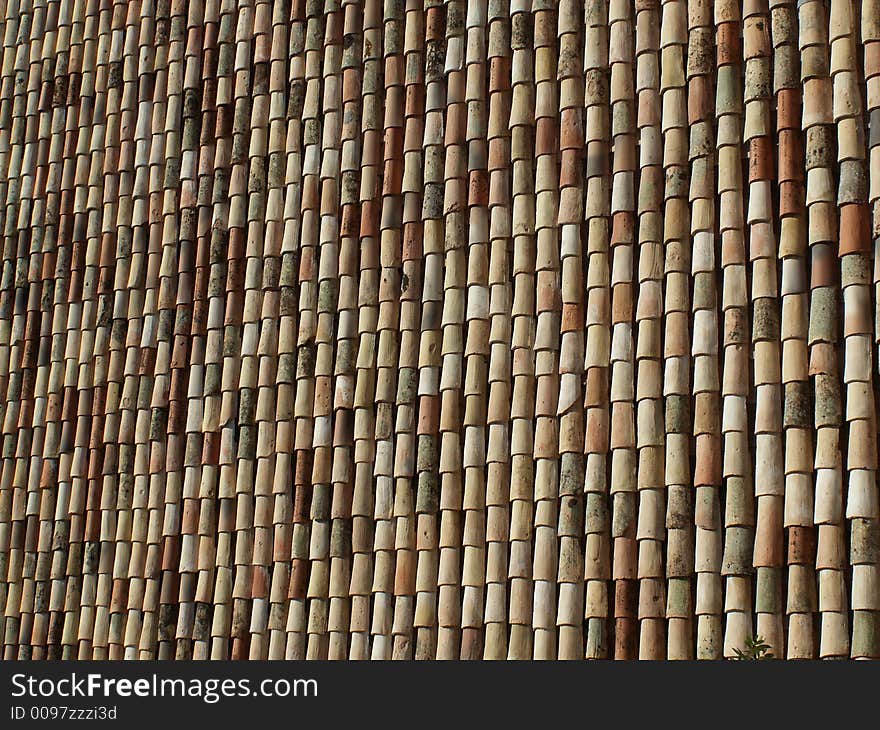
[(501, 329)]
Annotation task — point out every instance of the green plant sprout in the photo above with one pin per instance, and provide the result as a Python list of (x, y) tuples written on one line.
[(755, 648)]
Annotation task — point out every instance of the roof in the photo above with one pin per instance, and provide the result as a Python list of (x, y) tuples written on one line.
[(422, 329)]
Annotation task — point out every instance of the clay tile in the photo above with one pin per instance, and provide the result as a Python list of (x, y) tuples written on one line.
[(855, 229), (790, 156), (872, 59), (760, 159), (708, 461), (728, 44), (698, 99), (571, 129), (823, 270), (791, 199), (570, 168), (545, 136)]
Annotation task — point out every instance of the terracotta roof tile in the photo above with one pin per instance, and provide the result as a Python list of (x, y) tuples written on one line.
[(439, 329)]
